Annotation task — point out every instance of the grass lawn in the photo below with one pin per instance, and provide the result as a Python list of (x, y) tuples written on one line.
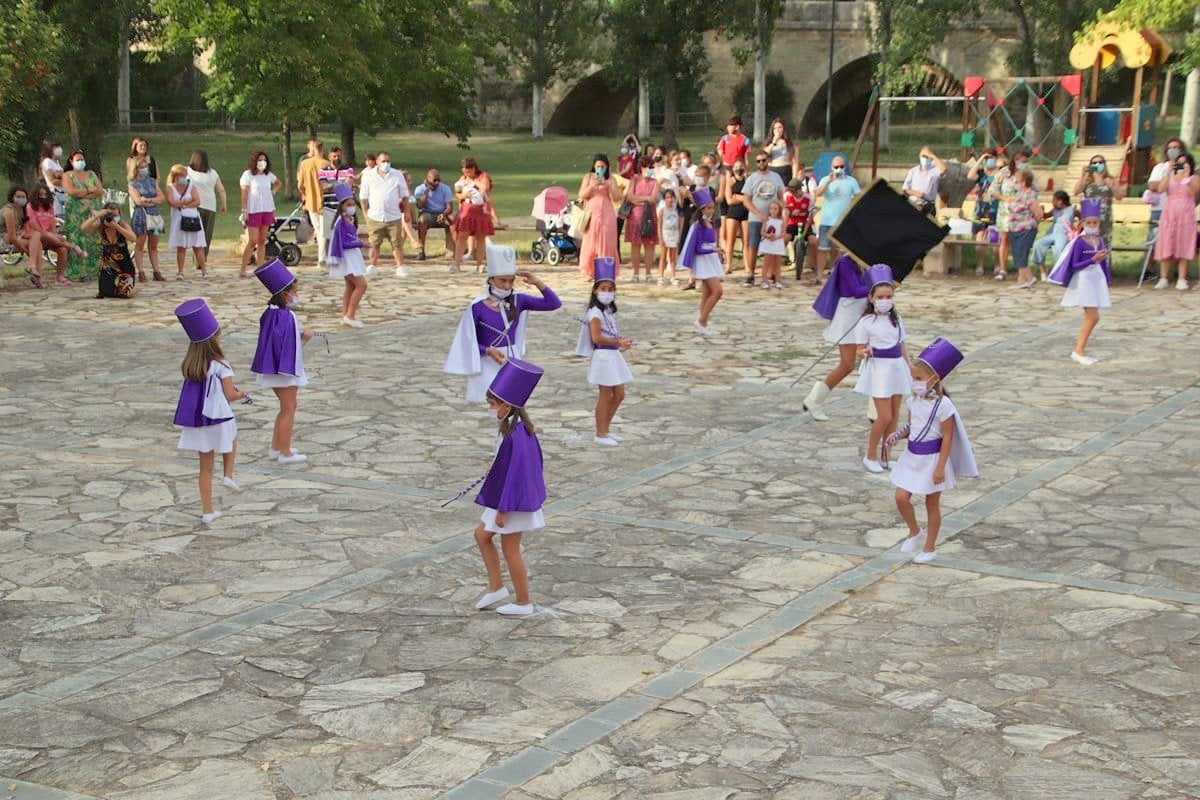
[(519, 166)]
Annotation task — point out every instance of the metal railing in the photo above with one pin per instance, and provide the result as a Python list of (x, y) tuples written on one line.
[(166, 119)]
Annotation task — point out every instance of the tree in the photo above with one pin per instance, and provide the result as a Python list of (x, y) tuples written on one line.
[(27, 79), (659, 42), (750, 27), (545, 40)]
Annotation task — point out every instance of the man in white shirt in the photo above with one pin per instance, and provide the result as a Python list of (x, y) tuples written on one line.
[(384, 197)]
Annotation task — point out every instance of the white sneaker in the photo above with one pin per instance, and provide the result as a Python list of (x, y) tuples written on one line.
[(294, 458), (230, 484), (912, 542), (491, 598), (778, 285), (208, 519), (1162, 283), (514, 610), (1000, 276), (402, 272), (872, 466), (700, 329), (635, 279), (612, 435), (1181, 285), (605, 441), (765, 285), (353, 323), (370, 270), (273, 455), (468, 258), (924, 557), (1087, 361), (662, 281)]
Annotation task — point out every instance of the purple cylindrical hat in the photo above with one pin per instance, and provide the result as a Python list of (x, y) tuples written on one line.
[(941, 356), (275, 276), (701, 197), (342, 191), (1089, 207), (515, 381), (197, 319), (604, 268), (879, 273)]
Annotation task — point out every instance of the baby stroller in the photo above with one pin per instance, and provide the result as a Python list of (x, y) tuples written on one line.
[(295, 225), (552, 211)]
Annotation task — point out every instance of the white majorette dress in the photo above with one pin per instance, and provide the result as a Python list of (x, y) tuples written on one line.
[(215, 437), (914, 470), (772, 247), (345, 249), (1086, 280), (885, 373), (607, 366)]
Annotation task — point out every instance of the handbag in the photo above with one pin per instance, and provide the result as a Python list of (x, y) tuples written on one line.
[(190, 224), (648, 227), (625, 210), (154, 222), (580, 218)]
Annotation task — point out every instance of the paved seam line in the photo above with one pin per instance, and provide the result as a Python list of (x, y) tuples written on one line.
[(511, 773)]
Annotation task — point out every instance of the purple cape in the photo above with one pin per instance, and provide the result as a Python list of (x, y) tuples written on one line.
[(515, 482), (345, 237), (276, 353), (189, 413), (1075, 258), (701, 240), (846, 280)]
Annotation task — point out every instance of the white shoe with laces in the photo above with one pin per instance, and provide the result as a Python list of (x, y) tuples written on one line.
[(402, 272), (273, 455), (353, 323)]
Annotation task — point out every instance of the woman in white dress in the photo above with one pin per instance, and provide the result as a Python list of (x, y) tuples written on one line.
[(186, 228)]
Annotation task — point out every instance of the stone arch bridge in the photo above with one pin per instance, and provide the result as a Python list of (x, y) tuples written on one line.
[(595, 105)]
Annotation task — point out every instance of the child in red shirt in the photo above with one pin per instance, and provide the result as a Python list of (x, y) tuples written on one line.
[(734, 145), (799, 209)]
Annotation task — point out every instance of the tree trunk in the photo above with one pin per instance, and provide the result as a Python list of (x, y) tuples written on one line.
[(760, 71), (1191, 100), (643, 113), (289, 186), (123, 79), (349, 157), (670, 113), (538, 133), (312, 130)]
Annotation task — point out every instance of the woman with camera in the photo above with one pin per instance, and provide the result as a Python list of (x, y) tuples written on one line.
[(1177, 227), (117, 275), (1095, 183), (84, 191)]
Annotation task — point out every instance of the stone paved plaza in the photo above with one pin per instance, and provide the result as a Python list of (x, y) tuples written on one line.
[(723, 612)]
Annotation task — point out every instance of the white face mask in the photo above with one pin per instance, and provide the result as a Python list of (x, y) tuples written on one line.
[(920, 388), (494, 414), (501, 294), (883, 305), (79, 164), (1091, 230), (349, 210), (683, 162), (385, 166), (58, 152), (262, 166), (606, 298)]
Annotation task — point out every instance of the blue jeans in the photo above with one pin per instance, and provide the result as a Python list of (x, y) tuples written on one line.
[(755, 233), (1053, 243), (1021, 243)]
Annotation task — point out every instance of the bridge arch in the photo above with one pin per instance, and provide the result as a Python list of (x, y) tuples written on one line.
[(597, 105)]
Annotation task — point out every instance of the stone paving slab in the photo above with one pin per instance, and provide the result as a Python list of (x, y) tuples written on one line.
[(723, 613)]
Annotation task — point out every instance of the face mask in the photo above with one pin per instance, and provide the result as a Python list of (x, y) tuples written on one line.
[(658, 159), (43, 200), (926, 162), (1172, 153), (707, 216), (143, 172), (1097, 167), (501, 294), (920, 388), (494, 414), (883, 306), (649, 172), (683, 162), (293, 302), (1091, 230), (262, 166), (989, 163), (838, 170), (701, 182), (20, 201), (624, 151), (349, 210), (58, 153), (606, 298), (385, 166), (184, 181), (79, 164), (599, 172), (1021, 165)]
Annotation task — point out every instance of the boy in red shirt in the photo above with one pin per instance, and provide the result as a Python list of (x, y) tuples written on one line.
[(799, 209), (734, 145)]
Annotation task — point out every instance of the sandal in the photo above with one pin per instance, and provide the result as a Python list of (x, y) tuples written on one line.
[(35, 278), (158, 276), (141, 276), (179, 276), (62, 279)]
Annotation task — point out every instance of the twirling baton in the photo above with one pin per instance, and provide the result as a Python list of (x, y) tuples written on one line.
[(821, 357)]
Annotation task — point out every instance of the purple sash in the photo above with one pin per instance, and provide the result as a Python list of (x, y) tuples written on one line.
[(886, 352), (925, 447), (605, 347)]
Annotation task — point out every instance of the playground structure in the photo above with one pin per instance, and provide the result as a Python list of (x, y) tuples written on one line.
[(1049, 114)]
